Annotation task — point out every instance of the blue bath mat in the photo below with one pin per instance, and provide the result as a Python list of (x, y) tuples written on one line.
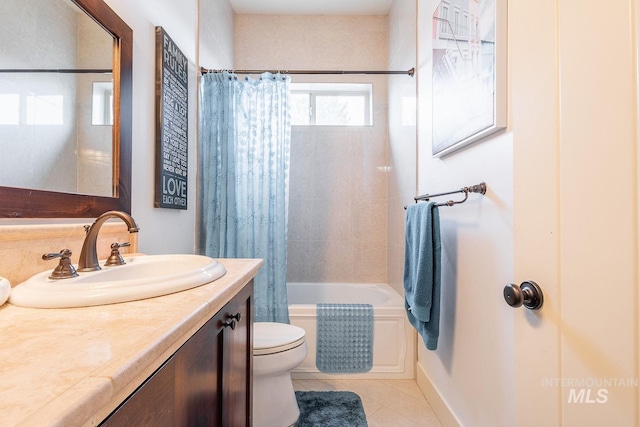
[(330, 409), (344, 338)]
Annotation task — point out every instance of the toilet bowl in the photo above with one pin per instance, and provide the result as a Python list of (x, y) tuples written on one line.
[(277, 349)]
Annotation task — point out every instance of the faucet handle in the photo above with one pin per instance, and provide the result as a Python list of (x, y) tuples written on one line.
[(115, 258), (65, 269)]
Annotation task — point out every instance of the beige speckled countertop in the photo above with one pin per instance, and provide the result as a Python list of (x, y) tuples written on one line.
[(72, 367)]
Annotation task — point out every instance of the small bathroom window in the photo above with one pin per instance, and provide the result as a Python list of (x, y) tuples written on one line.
[(331, 104)]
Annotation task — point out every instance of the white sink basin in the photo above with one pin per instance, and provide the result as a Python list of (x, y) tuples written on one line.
[(141, 277)]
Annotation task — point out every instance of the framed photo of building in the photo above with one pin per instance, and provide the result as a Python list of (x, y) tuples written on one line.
[(469, 74)]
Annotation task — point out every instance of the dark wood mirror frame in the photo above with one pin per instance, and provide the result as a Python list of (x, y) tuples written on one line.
[(28, 203)]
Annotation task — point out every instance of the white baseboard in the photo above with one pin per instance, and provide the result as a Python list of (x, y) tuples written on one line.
[(439, 406)]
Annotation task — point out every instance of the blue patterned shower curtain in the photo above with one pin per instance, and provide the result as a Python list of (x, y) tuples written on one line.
[(245, 141)]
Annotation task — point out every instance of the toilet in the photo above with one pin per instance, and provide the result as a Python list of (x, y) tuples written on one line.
[(277, 349)]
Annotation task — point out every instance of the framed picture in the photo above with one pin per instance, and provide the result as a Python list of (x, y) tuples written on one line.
[(172, 123), (469, 73)]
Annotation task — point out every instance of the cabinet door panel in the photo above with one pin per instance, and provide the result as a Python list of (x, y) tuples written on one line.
[(198, 379), (151, 405), (237, 362)]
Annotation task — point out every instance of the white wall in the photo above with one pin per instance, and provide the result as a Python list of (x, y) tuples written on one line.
[(217, 27), (471, 378), (163, 230), (402, 146), (472, 370)]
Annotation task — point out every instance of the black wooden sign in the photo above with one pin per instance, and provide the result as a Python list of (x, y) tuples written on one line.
[(172, 130)]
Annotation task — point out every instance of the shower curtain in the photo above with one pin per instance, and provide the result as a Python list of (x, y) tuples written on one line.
[(245, 144)]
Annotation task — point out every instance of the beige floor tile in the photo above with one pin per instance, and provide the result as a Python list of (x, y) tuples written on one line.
[(298, 386), (404, 386), (387, 417), (370, 406)]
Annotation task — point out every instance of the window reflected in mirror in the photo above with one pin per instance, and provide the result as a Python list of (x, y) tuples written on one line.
[(102, 108)]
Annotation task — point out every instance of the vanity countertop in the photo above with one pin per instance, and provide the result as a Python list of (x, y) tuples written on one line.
[(73, 367)]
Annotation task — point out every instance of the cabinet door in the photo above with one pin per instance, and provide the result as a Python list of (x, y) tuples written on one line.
[(198, 379), (151, 404), (238, 360), (207, 382)]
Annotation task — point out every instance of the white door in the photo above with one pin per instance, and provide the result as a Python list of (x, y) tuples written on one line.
[(574, 116)]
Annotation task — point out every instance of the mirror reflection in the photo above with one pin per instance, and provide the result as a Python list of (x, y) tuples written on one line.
[(56, 98), (102, 104)]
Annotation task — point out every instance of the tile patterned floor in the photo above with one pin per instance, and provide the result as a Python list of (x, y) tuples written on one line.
[(387, 403)]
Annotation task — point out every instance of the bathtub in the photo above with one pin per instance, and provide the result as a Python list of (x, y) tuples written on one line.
[(394, 338)]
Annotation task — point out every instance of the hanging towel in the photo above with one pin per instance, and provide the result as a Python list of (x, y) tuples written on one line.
[(422, 271), (345, 338)]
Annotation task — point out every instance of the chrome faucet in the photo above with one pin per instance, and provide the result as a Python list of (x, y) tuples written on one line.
[(89, 254)]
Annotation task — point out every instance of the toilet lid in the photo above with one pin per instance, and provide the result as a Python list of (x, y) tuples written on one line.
[(270, 337)]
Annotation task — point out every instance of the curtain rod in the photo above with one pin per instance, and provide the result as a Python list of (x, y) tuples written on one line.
[(60, 70), (410, 72)]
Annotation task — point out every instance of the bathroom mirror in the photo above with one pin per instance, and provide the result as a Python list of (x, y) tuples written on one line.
[(65, 109)]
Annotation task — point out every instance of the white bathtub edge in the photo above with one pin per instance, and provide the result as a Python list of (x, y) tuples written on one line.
[(393, 317)]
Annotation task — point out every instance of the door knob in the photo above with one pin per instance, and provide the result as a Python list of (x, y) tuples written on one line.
[(528, 294)]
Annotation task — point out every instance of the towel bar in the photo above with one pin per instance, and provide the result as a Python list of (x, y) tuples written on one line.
[(478, 188)]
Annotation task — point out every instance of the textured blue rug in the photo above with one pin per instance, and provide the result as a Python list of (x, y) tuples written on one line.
[(330, 409)]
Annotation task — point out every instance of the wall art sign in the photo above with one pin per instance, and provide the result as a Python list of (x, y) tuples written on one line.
[(172, 130), (469, 72)]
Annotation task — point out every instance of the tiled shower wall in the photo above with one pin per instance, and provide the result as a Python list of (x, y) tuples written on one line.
[(337, 210), (338, 194)]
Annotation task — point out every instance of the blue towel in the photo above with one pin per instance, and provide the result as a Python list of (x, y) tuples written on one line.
[(422, 271), (345, 338)]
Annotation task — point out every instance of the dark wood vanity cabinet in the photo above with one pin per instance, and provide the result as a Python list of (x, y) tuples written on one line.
[(207, 381)]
